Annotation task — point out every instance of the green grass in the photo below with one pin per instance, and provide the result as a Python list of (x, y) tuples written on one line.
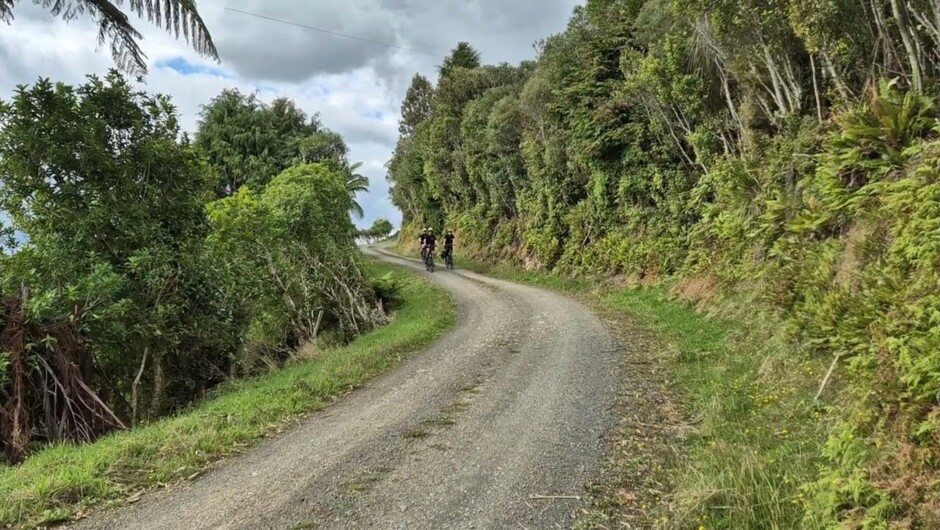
[(62, 480), (747, 395), (756, 433)]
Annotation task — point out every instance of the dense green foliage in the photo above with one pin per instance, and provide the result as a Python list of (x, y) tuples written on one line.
[(380, 229), (130, 289), (287, 261), (250, 142), (789, 149)]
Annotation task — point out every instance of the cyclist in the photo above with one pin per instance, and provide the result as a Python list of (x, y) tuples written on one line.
[(448, 253), (422, 237), (430, 241)]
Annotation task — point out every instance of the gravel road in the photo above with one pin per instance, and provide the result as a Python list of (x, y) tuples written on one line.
[(497, 425)]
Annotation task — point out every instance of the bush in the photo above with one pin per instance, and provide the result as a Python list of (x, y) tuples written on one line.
[(286, 263)]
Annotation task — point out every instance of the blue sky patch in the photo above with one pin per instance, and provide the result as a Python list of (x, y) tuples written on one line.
[(185, 67)]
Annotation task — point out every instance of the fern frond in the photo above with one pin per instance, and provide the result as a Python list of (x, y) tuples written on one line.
[(177, 16), (6, 10), (114, 26)]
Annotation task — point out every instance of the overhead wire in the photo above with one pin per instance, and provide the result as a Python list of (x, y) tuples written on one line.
[(326, 31)]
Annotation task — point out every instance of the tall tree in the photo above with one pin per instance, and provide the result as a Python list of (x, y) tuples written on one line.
[(405, 173), (249, 142), (114, 25), (238, 140), (463, 56), (323, 145), (416, 107)]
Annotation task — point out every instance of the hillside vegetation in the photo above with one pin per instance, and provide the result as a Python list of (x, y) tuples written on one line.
[(781, 157)]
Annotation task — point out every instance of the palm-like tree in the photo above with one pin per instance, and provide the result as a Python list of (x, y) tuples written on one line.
[(114, 26), (354, 184)]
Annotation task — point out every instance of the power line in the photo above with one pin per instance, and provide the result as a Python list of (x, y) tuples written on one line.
[(329, 32)]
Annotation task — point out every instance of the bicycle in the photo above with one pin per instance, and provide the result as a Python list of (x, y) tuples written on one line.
[(448, 259), (429, 260)]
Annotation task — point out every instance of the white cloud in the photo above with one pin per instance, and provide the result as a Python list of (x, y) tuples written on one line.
[(355, 86)]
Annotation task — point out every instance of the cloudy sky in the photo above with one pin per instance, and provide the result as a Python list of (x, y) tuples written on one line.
[(356, 86)]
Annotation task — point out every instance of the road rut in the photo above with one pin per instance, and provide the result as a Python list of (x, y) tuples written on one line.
[(499, 424)]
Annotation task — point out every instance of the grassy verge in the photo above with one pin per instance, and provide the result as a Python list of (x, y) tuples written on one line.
[(752, 433), (61, 481), (755, 434)]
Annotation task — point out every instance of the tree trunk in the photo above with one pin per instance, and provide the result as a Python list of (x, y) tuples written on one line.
[(134, 386), (772, 92), (812, 64), (16, 435), (776, 80), (932, 26), (671, 128), (793, 86), (156, 399), (725, 87), (900, 16), (836, 78)]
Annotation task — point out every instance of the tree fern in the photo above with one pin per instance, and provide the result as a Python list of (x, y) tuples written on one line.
[(115, 28), (354, 184)]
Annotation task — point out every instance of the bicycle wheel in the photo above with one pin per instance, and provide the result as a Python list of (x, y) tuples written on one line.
[(430, 262)]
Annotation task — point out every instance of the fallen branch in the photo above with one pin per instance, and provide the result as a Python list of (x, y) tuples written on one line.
[(828, 374), (316, 327), (117, 421)]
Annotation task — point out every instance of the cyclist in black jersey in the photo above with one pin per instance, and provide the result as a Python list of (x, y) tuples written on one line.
[(448, 253), (422, 237), (430, 241)]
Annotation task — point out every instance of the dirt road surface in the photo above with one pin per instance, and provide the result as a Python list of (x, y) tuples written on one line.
[(497, 425)]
